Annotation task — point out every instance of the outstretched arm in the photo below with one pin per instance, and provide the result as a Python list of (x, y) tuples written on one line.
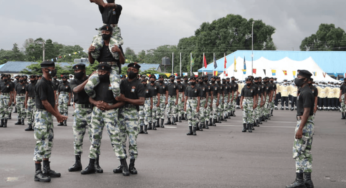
[(99, 2)]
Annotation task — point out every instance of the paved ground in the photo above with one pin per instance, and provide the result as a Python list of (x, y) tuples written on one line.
[(219, 157)]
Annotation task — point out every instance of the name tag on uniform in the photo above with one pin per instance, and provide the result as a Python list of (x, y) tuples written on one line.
[(251, 91), (155, 87), (195, 90), (220, 87), (215, 89), (109, 87), (133, 89), (208, 87), (267, 87), (174, 87), (66, 87), (163, 87), (147, 91), (226, 88), (7, 86), (22, 87), (203, 89), (313, 91), (259, 89)]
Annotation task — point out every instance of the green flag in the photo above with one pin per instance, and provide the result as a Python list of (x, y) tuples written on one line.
[(192, 61)]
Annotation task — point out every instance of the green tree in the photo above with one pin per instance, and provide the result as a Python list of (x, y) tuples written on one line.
[(327, 38), (130, 55)]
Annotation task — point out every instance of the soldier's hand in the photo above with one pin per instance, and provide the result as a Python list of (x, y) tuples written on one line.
[(206, 105), (91, 49), (166, 102), (254, 106), (158, 105), (61, 118), (116, 49), (217, 103), (315, 109), (241, 107), (299, 134), (185, 109), (197, 109), (9, 104), (176, 103)]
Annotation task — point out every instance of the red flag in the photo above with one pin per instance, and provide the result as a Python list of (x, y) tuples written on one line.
[(324, 74), (285, 72), (254, 71), (175, 74), (215, 73), (225, 62), (205, 61)]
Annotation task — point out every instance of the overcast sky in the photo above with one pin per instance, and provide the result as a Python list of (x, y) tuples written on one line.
[(146, 24)]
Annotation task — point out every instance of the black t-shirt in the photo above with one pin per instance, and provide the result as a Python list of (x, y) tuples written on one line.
[(305, 100), (172, 89), (215, 90), (162, 89), (20, 89), (132, 90), (248, 92), (181, 87), (111, 15), (226, 89), (234, 86), (30, 88), (343, 88), (6, 87), (148, 91), (55, 84), (186, 84), (258, 89), (268, 88), (44, 91), (104, 93), (220, 89), (203, 90), (153, 89), (106, 55), (13, 85), (81, 97), (64, 88), (192, 92), (314, 91)]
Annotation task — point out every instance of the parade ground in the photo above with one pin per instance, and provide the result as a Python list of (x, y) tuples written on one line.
[(222, 156)]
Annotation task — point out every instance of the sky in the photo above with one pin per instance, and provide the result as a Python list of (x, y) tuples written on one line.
[(147, 24)]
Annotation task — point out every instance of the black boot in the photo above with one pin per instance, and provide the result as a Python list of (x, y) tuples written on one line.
[(249, 128), (97, 165), (194, 130), (61, 124), (141, 130), (77, 165), (49, 172), (158, 123), (307, 180), (65, 123), (197, 127), (145, 129), (19, 122), (132, 168), (90, 169), (5, 123), (234, 114), (174, 120), (259, 121), (125, 170), (342, 115), (9, 116), (23, 123), (154, 126), (2, 123), (118, 170), (298, 183), (190, 131), (15, 110), (201, 126), (179, 119), (271, 113), (182, 117), (185, 116), (214, 122), (206, 125), (168, 122), (150, 127), (162, 126), (29, 128), (244, 128), (39, 176), (210, 122)]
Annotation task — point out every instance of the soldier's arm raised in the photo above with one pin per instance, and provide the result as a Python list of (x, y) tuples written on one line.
[(98, 2)]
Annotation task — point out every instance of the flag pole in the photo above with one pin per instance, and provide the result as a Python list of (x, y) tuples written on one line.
[(214, 64), (180, 63), (172, 63)]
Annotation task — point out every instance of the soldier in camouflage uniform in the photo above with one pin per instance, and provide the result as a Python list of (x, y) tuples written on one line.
[(133, 94), (30, 102), (273, 85), (19, 96), (304, 132), (342, 99), (235, 94), (215, 96), (204, 98), (248, 103), (162, 100), (105, 114), (191, 105), (43, 133), (186, 84), (180, 108), (147, 108), (7, 91), (173, 93), (64, 93), (109, 54), (154, 92), (208, 117), (229, 97)]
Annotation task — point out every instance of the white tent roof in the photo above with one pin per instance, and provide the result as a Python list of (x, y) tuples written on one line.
[(286, 64)]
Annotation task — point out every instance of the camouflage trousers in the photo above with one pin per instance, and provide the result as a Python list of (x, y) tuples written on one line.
[(94, 81), (172, 107), (44, 134), (63, 103), (234, 102), (154, 115), (81, 122), (192, 115), (129, 128), (302, 147), (30, 111), (266, 108), (160, 112), (209, 110), (141, 115), (5, 109), (226, 106), (20, 106), (343, 106), (215, 109), (258, 109), (248, 111), (202, 114), (180, 108), (147, 112), (98, 43), (221, 109), (100, 119), (272, 103)]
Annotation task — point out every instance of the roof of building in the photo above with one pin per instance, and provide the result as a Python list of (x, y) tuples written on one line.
[(18, 66), (330, 62)]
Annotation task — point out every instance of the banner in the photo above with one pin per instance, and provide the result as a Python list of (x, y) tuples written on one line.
[(285, 72), (273, 72), (216, 73), (205, 73), (244, 71), (205, 61), (157, 76), (168, 75), (176, 74), (148, 75), (184, 73), (225, 62), (244, 64), (254, 71), (294, 73), (235, 65), (215, 64), (345, 75), (196, 74), (315, 73)]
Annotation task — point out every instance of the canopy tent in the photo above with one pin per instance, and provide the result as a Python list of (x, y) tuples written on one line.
[(276, 69)]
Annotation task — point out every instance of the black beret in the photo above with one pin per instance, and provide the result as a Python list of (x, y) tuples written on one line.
[(46, 64), (134, 65), (153, 76), (144, 80), (232, 77), (172, 76), (104, 66), (227, 78), (160, 76), (32, 76), (79, 66), (305, 73), (106, 28), (178, 77), (192, 78)]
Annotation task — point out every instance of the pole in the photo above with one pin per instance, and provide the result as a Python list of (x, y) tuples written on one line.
[(180, 63), (44, 52), (190, 64), (252, 49), (172, 63), (214, 64)]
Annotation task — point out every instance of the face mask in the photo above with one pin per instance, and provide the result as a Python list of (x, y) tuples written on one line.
[(179, 82), (132, 75), (64, 81), (161, 81), (5, 80), (54, 78), (21, 81), (79, 75), (145, 85), (218, 82), (106, 37), (206, 81), (310, 84), (152, 81), (172, 80), (201, 83), (299, 82), (193, 83), (248, 84), (233, 81), (32, 81), (52, 73), (104, 78), (213, 82), (185, 81)]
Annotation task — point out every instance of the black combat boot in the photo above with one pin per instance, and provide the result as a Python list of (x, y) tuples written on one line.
[(182, 117), (231, 113), (65, 123), (141, 130), (125, 170), (307, 180), (298, 183), (173, 121), (342, 115), (61, 124), (221, 118), (197, 127), (201, 126), (77, 165), (5, 123), (190, 131), (90, 169), (186, 117), (154, 126), (244, 128), (249, 128), (218, 120), (2, 123), (15, 110), (259, 121), (211, 122), (23, 123), (158, 123), (162, 126), (118, 170), (145, 129), (39, 176), (19, 122), (97, 164), (194, 130), (150, 127), (9, 116), (214, 122), (132, 168), (234, 114), (271, 113), (29, 128), (49, 172), (179, 119), (168, 122), (206, 125)]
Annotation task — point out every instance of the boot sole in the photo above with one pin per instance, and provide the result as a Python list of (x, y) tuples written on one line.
[(36, 179)]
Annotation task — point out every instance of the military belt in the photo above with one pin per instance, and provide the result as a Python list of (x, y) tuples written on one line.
[(21, 95), (248, 97), (113, 25), (85, 105), (31, 97), (110, 63), (172, 95), (64, 92), (130, 106)]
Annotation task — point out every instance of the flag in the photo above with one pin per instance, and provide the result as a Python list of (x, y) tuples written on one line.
[(244, 64), (196, 74), (324, 74), (192, 61), (225, 62), (254, 71), (265, 73), (175, 74), (294, 73), (148, 75), (244, 71), (168, 74), (285, 72), (235, 65), (74, 52), (59, 57), (157, 76), (205, 61), (225, 72), (184, 73), (274, 72), (205, 73), (315, 73), (216, 73), (215, 64)]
